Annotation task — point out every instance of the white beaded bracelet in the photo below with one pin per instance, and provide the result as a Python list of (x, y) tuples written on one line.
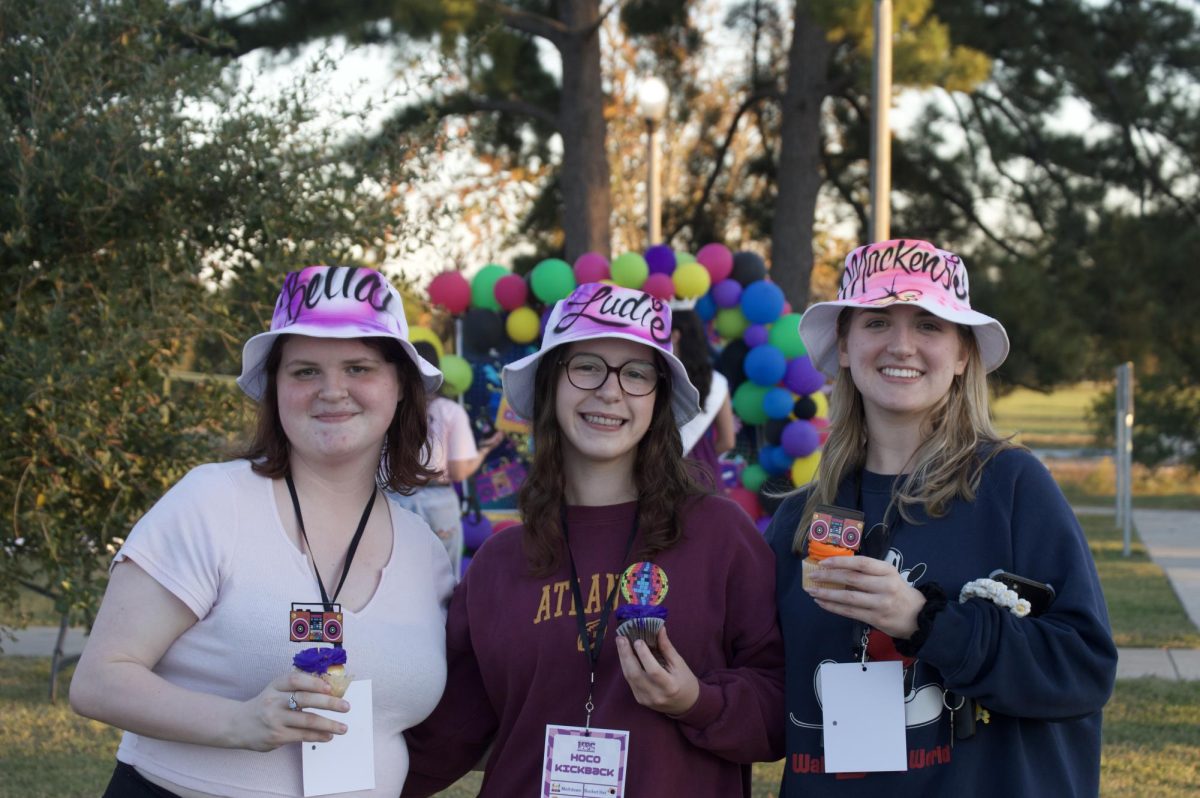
[(997, 593)]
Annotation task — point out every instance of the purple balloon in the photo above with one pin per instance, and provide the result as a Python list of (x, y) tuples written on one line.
[(763, 523), (756, 335), (727, 293), (802, 376), (661, 259), (800, 439), (476, 529)]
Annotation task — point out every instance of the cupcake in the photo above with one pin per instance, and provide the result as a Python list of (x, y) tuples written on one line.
[(329, 664), (817, 552), (642, 622)]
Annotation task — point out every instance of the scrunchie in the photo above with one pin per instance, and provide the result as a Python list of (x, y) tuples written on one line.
[(935, 602)]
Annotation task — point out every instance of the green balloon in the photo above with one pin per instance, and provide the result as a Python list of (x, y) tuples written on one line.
[(630, 270), (730, 323), (552, 280), (785, 336), (683, 257), (748, 403), (483, 286), (457, 373), (753, 477)]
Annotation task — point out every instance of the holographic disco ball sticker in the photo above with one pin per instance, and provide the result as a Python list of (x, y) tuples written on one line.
[(644, 583)]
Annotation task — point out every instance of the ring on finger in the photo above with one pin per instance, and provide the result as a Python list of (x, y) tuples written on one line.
[(292, 704)]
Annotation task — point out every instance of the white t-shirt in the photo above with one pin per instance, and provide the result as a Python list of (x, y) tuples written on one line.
[(216, 541), (691, 432), (450, 436)]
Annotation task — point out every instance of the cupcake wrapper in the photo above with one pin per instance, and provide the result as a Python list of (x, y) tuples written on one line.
[(644, 629)]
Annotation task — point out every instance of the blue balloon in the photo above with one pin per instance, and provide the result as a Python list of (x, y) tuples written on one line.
[(800, 439), (774, 460), (778, 403), (762, 302), (765, 365), (802, 377), (706, 307)]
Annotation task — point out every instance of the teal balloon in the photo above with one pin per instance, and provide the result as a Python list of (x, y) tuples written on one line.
[(785, 336), (552, 280), (748, 403), (753, 476), (483, 287)]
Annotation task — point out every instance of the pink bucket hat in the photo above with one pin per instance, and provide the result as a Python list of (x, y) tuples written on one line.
[(596, 310), (333, 302), (901, 272)]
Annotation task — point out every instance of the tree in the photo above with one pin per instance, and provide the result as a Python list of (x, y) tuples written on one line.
[(147, 210), (496, 47)]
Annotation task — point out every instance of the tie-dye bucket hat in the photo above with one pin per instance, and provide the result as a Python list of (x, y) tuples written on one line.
[(598, 310), (333, 302), (901, 272)]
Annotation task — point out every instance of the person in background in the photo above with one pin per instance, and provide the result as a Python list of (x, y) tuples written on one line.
[(711, 433), (618, 539), (1001, 691), (453, 457), (193, 646)]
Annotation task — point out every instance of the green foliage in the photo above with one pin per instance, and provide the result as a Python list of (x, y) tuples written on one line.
[(147, 209), (1166, 427)]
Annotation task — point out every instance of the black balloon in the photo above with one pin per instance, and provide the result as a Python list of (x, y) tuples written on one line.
[(483, 330), (730, 361), (773, 429), (805, 408), (748, 267)]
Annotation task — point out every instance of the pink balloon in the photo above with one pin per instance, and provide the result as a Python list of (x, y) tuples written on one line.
[(511, 291), (452, 291), (747, 500), (591, 267), (659, 285), (717, 259)]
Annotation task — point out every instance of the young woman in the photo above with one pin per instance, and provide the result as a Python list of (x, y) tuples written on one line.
[(192, 648), (989, 698), (614, 527)]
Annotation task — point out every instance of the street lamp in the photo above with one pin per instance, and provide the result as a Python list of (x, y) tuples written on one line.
[(652, 96)]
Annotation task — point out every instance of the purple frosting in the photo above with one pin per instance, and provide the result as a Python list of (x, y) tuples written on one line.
[(627, 611), (319, 660)]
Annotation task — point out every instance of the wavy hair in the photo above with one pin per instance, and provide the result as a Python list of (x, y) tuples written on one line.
[(664, 481), (959, 441), (405, 447)]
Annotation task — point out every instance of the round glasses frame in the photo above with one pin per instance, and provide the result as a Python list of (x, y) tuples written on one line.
[(618, 370)]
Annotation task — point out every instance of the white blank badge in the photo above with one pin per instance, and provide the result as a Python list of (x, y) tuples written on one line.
[(347, 762), (863, 717)]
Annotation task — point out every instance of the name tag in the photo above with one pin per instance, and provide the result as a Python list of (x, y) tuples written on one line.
[(585, 763), (863, 716), (347, 762)]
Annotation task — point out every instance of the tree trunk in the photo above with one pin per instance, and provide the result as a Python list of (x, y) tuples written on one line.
[(585, 180), (799, 178)]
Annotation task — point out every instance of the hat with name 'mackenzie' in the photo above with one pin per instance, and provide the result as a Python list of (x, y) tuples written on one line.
[(333, 302), (901, 272), (596, 310)]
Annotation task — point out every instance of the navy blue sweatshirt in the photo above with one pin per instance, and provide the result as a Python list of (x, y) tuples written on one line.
[(1043, 681)]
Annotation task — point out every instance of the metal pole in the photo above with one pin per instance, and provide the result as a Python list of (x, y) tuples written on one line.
[(1123, 454), (881, 142), (653, 183)]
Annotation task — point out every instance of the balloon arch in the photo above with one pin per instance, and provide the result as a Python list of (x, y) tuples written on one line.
[(776, 391)]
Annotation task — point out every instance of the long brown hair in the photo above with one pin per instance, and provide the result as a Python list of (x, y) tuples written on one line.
[(959, 442), (405, 444), (664, 482)]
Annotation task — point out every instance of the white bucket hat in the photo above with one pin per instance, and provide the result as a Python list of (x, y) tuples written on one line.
[(333, 302), (901, 272), (597, 310)]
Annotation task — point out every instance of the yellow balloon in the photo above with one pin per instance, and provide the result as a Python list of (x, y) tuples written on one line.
[(805, 468), (425, 334), (822, 403), (522, 325), (691, 280)]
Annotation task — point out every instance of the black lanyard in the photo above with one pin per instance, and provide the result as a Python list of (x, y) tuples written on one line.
[(876, 542), (326, 599), (592, 649)]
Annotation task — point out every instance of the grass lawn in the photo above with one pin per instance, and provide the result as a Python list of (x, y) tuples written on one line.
[(1053, 420), (1151, 735)]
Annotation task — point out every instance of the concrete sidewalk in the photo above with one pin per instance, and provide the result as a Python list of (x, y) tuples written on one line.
[(1172, 538)]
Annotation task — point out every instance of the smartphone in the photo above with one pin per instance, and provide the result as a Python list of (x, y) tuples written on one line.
[(1039, 594)]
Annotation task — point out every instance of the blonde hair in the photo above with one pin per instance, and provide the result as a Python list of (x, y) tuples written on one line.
[(959, 442)]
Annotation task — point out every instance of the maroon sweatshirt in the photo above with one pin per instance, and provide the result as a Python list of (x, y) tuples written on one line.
[(516, 662)]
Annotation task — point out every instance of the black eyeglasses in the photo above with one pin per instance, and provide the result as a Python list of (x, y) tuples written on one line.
[(589, 372)]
